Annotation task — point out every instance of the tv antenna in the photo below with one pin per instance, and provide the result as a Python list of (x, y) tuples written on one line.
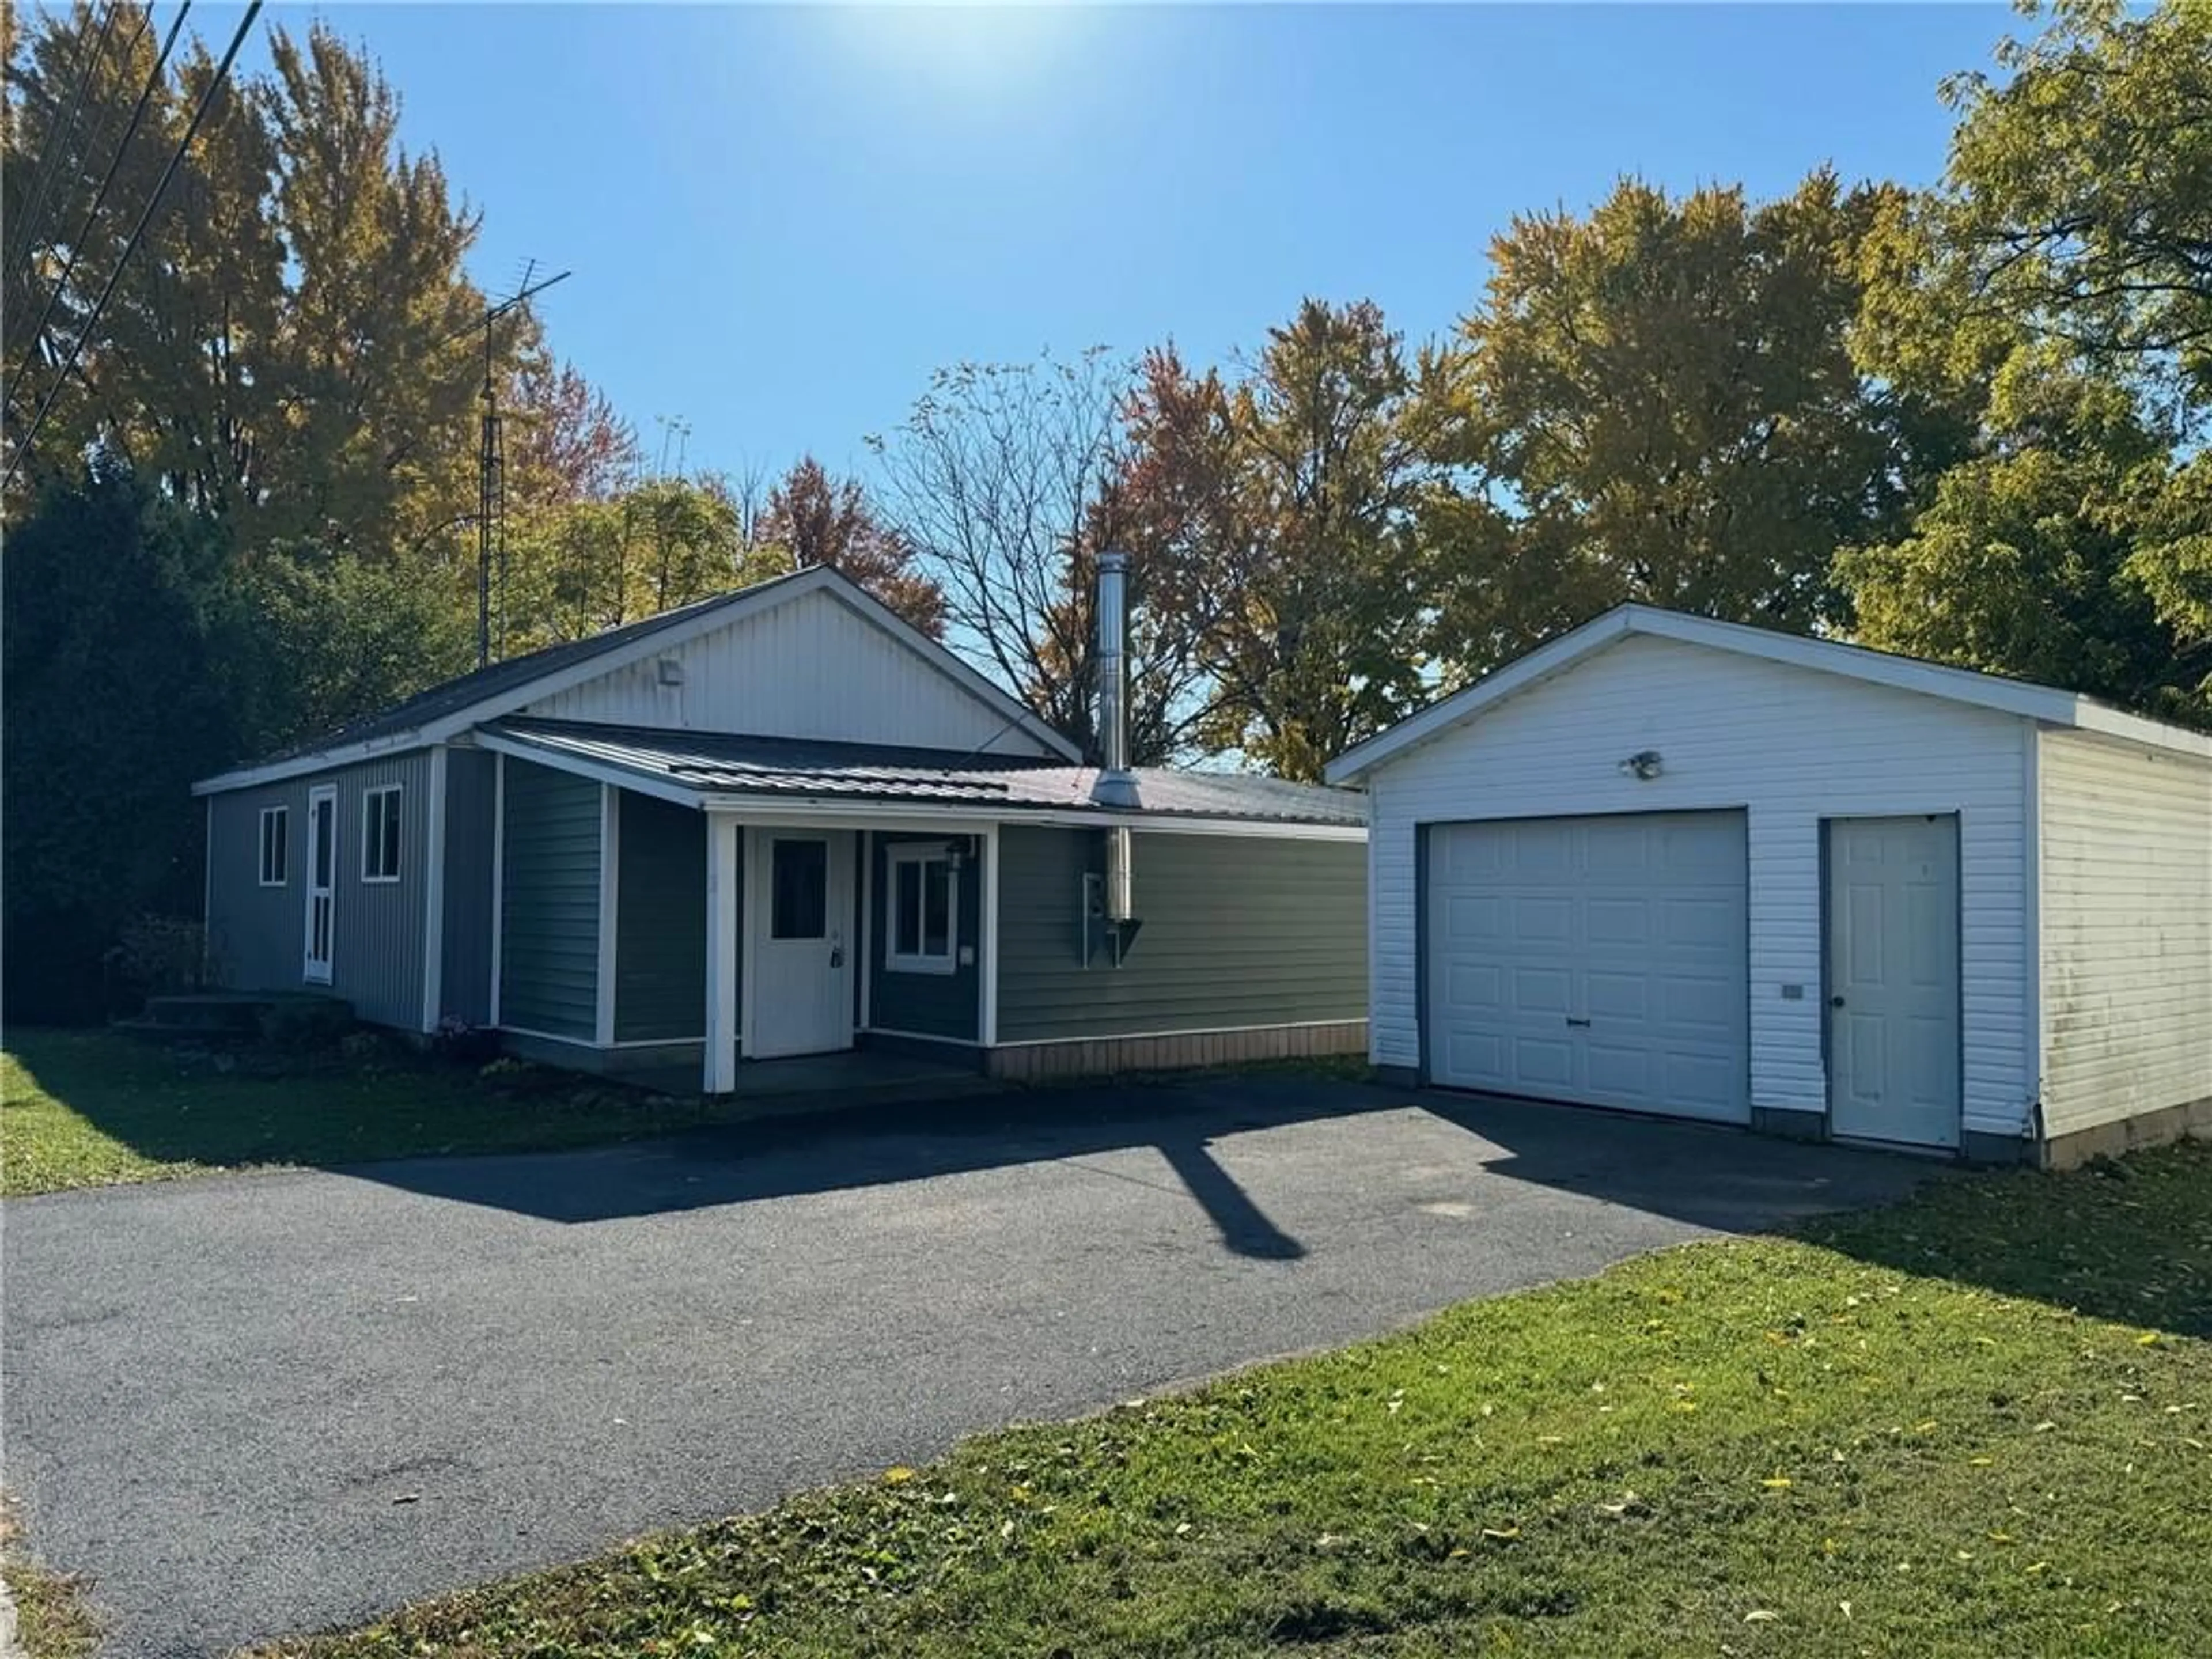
[(492, 468)]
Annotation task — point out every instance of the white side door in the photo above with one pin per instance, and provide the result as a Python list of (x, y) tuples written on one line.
[(322, 875), (799, 905), (1893, 1062)]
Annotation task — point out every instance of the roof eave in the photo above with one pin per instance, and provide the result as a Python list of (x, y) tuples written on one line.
[(735, 605), (326, 760), (2045, 704)]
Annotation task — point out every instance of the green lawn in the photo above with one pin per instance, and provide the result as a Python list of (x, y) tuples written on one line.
[(86, 1109), (1976, 1424)]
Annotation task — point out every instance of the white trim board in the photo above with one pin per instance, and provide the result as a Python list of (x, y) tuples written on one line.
[(2044, 704), (799, 814), (810, 812), (705, 618)]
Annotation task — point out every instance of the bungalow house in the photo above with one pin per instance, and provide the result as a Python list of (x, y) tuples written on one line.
[(782, 821)]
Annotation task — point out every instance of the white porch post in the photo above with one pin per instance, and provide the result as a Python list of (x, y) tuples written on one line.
[(987, 947), (610, 901), (722, 870)]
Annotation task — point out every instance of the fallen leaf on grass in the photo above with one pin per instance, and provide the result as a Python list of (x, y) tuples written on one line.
[(1503, 1533), (897, 1476)]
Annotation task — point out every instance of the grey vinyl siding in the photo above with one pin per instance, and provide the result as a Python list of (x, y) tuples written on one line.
[(1236, 931), (465, 979), (660, 922), (257, 935), (549, 911), (927, 1005)]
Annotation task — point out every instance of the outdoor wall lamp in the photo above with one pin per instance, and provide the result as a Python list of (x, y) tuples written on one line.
[(1642, 766)]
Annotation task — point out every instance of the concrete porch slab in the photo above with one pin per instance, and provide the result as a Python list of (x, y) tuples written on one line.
[(824, 1082)]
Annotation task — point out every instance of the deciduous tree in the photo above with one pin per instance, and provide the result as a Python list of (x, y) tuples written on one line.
[(1002, 480), (2069, 244), (1657, 402), (1275, 510), (816, 519)]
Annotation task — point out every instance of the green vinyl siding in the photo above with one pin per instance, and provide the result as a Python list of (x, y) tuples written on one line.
[(548, 961), (465, 981), (660, 922), (926, 1005), (1237, 931)]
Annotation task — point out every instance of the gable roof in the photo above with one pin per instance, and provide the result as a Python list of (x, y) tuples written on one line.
[(698, 769), (447, 710), (2047, 704)]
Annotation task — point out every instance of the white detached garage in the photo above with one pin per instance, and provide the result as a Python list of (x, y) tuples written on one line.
[(1674, 865)]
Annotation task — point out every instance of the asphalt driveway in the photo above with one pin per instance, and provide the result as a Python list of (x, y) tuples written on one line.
[(253, 1405)]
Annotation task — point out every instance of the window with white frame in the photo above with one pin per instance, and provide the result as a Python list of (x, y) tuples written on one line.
[(276, 835), (922, 935), (380, 834)]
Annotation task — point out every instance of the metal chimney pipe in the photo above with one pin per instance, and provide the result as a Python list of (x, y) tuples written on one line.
[(1114, 787)]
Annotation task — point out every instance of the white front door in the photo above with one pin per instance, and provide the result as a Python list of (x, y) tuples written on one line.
[(798, 904), (1894, 979), (322, 872)]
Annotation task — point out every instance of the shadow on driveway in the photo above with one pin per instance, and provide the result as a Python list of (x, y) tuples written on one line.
[(1709, 1177)]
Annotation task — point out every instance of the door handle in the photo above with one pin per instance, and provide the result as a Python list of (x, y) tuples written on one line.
[(1835, 1002), (1572, 1020)]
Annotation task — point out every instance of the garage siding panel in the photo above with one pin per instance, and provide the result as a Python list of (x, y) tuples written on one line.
[(1788, 746), (549, 961), (1238, 932), (2127, 931)]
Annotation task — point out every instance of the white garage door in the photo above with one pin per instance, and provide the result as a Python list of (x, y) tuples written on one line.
[(1600, 960)]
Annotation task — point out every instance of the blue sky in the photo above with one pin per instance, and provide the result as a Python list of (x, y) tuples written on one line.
[(782, 220)]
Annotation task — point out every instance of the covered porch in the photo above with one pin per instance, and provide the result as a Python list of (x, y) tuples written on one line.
[(689, 902), (824, 935)]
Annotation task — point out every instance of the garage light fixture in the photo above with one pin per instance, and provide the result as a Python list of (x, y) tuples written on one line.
[(1644, 766)]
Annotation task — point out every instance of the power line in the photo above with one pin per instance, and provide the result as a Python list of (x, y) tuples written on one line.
[(51, 165), (76, 245), (138, 231)]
